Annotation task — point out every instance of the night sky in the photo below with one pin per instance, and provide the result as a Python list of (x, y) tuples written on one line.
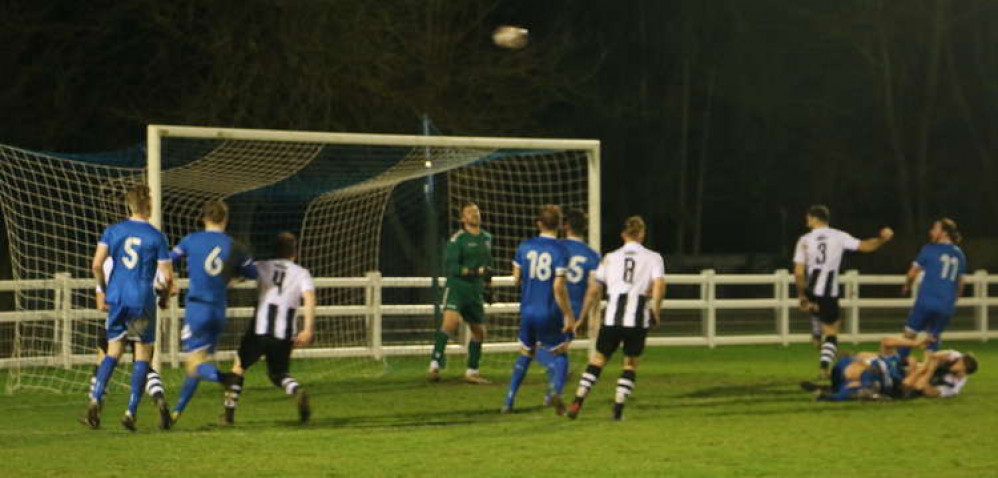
[(725, 118)]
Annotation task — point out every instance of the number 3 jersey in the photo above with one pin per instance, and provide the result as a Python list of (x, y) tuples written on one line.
[(206, 253), (944, 264), (821, 251), (281, 283), (628, 274), (135, 247)]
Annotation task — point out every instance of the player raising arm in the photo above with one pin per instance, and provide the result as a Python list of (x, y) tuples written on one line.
[(634, 278), (817, 258), (283, 287), (945, 266), (468, 266), (211, 262), (138, 251), (545, 313)]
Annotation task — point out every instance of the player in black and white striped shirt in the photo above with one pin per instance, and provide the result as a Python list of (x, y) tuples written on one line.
[(634, 278), (817, 258), (284, 288)]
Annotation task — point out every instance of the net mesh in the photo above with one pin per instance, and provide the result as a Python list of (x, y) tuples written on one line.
[(356, 208)]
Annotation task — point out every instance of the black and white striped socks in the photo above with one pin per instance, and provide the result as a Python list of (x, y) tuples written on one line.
[(233, 392), (154, 384), (828, 351), (589, 378)]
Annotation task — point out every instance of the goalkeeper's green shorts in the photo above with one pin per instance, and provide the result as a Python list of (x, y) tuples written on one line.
[(469, 304)]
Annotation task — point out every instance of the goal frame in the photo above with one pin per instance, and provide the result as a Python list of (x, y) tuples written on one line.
[(155, 134)]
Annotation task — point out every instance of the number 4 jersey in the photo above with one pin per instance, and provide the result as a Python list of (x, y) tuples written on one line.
[(821, 252), (281, 283)]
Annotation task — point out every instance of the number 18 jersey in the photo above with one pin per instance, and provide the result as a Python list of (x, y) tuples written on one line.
[(540, 260), (628, 274)]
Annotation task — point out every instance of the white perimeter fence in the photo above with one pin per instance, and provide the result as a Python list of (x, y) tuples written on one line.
[(778, 301)]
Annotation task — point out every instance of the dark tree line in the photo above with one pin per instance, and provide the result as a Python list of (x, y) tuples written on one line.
[(723, 118)]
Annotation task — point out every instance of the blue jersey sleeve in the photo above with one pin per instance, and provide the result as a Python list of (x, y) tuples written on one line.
[(923, 257), (162, 253), (180, 250), (963, 264), (106, 237)]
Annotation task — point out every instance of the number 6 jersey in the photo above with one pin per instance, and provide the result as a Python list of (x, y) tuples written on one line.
[(281, 284), (821, 252), (628, 274)]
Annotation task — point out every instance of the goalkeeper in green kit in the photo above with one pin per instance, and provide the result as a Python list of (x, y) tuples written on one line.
[(468, 266)]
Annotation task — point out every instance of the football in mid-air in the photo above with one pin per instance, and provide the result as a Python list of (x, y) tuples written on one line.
[(510, 37)]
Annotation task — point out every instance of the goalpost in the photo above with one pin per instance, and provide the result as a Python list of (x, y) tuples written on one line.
[(364, 206)]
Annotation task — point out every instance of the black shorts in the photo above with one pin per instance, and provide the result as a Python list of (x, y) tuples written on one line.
[(277, 351), (610, 337), (828, 308)]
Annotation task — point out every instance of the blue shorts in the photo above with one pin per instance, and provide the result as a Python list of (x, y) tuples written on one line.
[(928, 319), (203, 325), (544, 329), (133, 323)]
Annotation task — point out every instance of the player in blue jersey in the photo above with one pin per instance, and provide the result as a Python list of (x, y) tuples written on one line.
[(545, 313), (212, 260), (139, 251), (868, 375), (945, 266), (582, 262)]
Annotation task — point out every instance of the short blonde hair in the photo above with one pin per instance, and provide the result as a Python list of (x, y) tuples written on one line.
[(634, 227)]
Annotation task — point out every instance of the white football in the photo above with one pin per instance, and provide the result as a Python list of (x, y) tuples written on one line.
[(508, 36)]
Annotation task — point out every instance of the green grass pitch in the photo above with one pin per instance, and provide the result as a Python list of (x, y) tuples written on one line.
[(730, 411)]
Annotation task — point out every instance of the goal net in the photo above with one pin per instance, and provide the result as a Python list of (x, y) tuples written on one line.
[(366, 208)]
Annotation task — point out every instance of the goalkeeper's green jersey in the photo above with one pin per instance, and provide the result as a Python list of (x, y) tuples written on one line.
[(471, 251)]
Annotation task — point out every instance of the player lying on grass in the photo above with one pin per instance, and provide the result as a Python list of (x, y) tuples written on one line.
[(545, 313), (212, 260), (154, 383), (138, 251), (869, 376), (283, 288), (942, 375)]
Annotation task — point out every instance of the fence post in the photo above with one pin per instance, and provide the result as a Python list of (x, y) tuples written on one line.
[(852, 294), (981, 294), (374, 313), (708, 291), (781, 292), (64, 327)]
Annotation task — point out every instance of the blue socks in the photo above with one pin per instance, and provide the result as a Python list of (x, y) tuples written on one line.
[(559, 374), (186, 392), (209, 372), (103, 376), (139, 371), (519, 372)]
